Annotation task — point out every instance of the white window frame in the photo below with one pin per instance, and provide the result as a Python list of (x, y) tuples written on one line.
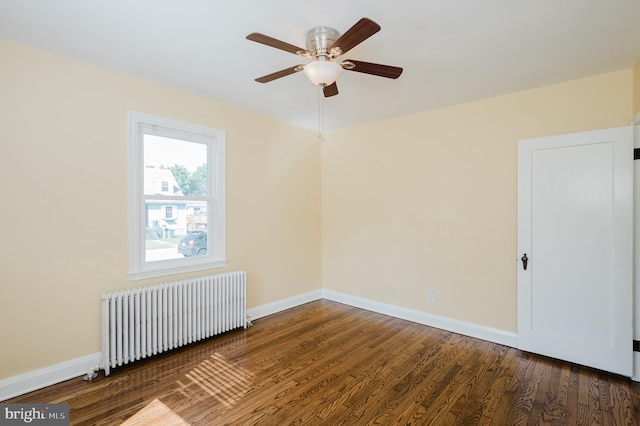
[(139, 125)]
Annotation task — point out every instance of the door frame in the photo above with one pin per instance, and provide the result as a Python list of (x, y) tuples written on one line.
[(636, 248)]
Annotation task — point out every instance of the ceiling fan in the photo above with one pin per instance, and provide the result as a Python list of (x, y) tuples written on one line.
[(324, 46)]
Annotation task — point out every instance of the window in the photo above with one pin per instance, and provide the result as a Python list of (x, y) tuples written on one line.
[(181, 230), (168, 212)]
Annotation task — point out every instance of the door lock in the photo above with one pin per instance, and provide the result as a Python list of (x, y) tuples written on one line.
[(525, 260)]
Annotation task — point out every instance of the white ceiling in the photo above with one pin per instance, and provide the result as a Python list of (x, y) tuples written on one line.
[(452, 51)]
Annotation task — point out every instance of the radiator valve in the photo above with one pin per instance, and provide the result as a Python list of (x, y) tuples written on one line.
[(91, 374)]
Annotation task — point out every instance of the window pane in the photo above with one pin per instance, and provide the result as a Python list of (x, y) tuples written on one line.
[(184, 234), (174, 167), (177, 197)]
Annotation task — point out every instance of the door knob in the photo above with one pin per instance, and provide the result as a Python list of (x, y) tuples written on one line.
[(525, 260)]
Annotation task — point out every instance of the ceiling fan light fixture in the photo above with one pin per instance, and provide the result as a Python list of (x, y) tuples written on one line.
[(322, 73)]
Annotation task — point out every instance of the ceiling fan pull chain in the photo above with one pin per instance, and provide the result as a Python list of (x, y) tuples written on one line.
[(321, 115)]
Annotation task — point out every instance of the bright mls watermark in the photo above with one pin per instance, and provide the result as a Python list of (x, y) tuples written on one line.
[(34, 414)]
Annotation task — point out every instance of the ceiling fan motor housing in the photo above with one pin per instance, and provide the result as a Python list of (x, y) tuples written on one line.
[(319, 39)]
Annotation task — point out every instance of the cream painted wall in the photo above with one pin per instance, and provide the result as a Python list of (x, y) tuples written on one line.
[(427, 203), (63, 180)]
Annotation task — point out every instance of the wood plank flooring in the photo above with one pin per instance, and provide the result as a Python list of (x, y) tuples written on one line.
[(325, 363)]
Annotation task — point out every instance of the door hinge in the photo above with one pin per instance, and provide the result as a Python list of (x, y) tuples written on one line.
[(636, 345), (636, 153)]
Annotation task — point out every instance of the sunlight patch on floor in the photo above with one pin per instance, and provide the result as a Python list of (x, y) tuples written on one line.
[(155, 413), (221, 379)]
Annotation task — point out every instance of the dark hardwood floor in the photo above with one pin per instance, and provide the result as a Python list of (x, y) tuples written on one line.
[(325, 363)]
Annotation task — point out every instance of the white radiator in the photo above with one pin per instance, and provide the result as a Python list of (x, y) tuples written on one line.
[(145, 321)]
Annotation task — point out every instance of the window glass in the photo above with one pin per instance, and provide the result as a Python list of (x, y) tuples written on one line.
[(177, 197)]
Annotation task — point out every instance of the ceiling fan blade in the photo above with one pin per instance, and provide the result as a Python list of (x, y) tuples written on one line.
[(362, 30), (279, 74), (270, 41), (387, 71), (330, 90)]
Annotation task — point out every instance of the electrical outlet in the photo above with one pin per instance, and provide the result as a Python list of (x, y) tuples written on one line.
[(431, 298)]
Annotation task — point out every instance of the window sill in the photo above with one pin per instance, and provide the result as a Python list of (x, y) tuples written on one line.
[(167, 271)]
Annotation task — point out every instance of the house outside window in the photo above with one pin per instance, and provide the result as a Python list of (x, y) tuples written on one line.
[(190, 160)]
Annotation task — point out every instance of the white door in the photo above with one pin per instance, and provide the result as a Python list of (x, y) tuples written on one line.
[(575, 230)]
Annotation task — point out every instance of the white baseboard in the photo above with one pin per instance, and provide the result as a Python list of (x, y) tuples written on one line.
[(456, 326), (38, 379), (284, 304), (461, 327), (44, 377)]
